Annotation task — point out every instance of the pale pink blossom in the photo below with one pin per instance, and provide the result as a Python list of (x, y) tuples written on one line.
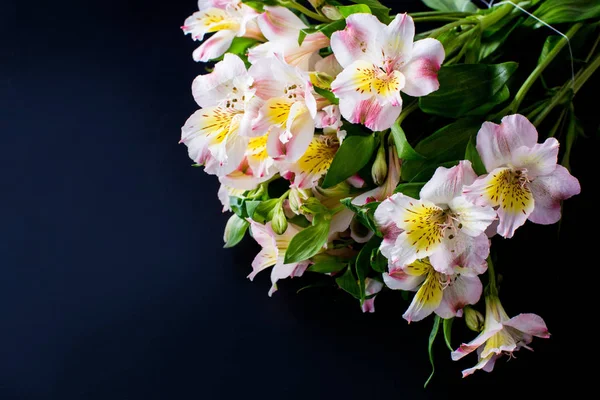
[(379, 62), (523, 181)]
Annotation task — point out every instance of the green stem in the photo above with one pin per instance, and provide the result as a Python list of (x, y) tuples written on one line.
[(582, 76), (451, 26), (492, 287), (304, 10), (436, 19), (439, 13), (535, 74)]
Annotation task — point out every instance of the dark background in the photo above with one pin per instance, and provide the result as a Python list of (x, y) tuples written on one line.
[(114, 284)]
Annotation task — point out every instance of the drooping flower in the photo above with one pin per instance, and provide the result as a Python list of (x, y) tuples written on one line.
[(216, 135), (524, 181), (501, 335), (379, 62), (228, 18), (372, 287), (281, 27), (289, 108), (442, 225), (446, 295), (273, 251)]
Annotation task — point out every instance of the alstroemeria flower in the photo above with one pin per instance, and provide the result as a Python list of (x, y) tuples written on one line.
[(524, 181), (372, 287), (216, 134), (379, 62), (273, 251), (228, 18), (281, 27), (315, 161), (501, 334), (442, 225), (289, 108), (392, 179), (446, 295)]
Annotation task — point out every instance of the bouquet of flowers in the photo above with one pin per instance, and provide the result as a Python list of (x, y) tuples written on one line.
[(388, 151)]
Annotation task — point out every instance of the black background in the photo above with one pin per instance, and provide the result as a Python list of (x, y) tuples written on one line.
[(114, 284)]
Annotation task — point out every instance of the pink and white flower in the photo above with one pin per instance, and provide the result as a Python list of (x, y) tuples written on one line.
[(289, 108), (524, 181), (216, 134), (228, 18), (501, 335), (444, 294), (272, 254), (372, 287), (281, 27), (442, 225), (380, 62)]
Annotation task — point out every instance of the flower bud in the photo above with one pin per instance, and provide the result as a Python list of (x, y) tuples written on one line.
[(316, 3), (279, 222), (474, 319), (320, 79), (297, 198), (379, 170), (332, 13)]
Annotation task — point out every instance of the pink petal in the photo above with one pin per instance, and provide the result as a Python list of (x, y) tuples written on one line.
[(214, 47), (486, 364), (461, 291), (548, 191), (278, 22), (211, 88), (222, 4), (491, 328), (447, 183), (266, 258), (400, 34), (538, 160), (369, 112), (398, 279), (359, 40), (530, 324), (421, 72), (496, 144)]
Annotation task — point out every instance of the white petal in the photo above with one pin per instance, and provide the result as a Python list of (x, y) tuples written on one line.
[(360, 40), (447, 183), (214, 47)]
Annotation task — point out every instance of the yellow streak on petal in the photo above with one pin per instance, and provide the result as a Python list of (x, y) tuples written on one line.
[(216, 123), (419, 267), (388, 85), (215, 19), (318, 157), (278, 111), (257, 147), (424, 226), (507, 190), (363, 79), (430, 293)]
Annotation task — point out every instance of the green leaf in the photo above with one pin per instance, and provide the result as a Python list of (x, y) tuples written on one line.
[(300, 220), (327, 267), (564, 11), (237, 206), (346, 11), (379, 10), (378, 262), (472, 155), (491, 43), (444, 145), (549, 44), (234, 230), (349, 284), (240, 45), (411, 189), (363, 264), (432, 336), (354, 153), (327, 94), (499, 98), (251, 206), (309, 241), (364, 214), (264, 211), (448, 332), (259, 5), (451, 5), (464, 87), (404, 149)]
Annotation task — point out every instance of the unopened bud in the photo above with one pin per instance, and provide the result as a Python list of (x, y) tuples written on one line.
[(332, 13), (379, 170), (316, 3), (320, 79), (279, 222), (297, 197), (474, 319)]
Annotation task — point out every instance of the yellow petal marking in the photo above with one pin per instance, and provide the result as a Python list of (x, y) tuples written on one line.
[(319, 155), (278, 111), (431, 291), (363, 79), (217, 123), (418, 268), (509, 190), (388, 85), (215, 19), (424, 226)]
